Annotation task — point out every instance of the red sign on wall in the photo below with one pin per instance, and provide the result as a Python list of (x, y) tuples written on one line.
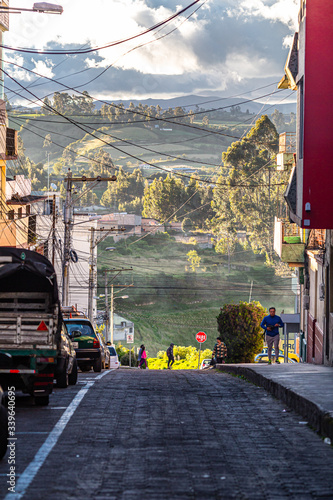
[(201, 337)]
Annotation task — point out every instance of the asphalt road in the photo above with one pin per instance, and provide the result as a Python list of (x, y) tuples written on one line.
[(130, 434)]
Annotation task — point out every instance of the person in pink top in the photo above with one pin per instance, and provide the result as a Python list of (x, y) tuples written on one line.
[(143, 357)]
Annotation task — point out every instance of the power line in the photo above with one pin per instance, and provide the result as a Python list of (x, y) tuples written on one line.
[(112, 44)]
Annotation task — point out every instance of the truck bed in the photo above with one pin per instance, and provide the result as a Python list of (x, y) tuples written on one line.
[(27, 322)]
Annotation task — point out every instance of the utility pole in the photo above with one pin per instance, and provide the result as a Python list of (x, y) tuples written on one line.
[(67, 238), (68, 222), (112, 312), (107, 314), (91, 274), (250, 296), (54, 217)]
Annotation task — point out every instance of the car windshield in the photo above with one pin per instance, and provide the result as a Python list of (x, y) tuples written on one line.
[(112, 351), (84, 328)]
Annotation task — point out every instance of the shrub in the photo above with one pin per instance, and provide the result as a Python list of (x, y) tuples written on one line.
[(123, 355), (186, 358), (239, 328)]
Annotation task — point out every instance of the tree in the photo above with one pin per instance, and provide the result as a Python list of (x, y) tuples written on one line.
[(247, 195), (47, 106), (205, 121), (278, 119), (8, 105), (47, 142), (187, 225), (127, 190), (162, 198), (239, 328), (69, 156), (194, 259)]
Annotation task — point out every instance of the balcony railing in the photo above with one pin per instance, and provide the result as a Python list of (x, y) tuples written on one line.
[(288, 243)]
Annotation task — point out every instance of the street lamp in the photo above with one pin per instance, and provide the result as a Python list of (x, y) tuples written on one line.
[(47, 8), (41, 7)]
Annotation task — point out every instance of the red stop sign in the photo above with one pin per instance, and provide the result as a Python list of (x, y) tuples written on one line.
[(201, 337)]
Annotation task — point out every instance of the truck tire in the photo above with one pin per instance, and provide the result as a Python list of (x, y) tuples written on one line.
[(98, 365), (62, 378), (72, 377), (3, 431), (42, 400)]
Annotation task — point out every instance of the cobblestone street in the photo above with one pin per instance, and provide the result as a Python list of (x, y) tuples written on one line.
[(168, 435)]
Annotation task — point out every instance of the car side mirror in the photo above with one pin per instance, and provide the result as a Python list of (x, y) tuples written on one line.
[(75, 334)]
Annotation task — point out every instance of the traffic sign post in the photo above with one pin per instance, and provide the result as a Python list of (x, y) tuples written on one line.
[(200, 337), (129, 340)]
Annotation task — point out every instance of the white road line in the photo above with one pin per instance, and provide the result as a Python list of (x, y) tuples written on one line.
[(31, 470), (101, 375)]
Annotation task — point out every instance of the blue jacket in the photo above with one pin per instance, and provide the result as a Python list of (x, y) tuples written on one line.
[(270, 321)]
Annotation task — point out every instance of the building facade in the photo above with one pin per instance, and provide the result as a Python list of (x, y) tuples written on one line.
[(303, 239)]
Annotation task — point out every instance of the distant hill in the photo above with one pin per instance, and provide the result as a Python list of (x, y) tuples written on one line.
[(204, 102), (211, 102)]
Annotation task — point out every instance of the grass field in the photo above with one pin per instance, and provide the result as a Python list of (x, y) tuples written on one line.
[(187, 144)]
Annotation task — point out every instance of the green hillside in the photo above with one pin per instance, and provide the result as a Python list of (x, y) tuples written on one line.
[(169, 303)]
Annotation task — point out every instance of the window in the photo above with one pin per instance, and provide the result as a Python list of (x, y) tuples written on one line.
[(27, 210), (85, 328), (131, 330), (10, 214), (32, 229), (19, 213), (48, 209)]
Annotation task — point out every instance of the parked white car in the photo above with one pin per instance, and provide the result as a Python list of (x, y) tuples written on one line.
[(114, 361), (205, 363)]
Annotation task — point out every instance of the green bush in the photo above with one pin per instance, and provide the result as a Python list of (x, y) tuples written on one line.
[(186, 358), (123, 355), (239, 328)]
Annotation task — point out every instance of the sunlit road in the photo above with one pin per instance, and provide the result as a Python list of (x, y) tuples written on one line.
[(130, 434)]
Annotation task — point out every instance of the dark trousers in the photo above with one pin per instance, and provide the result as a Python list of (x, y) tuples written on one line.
[(219, 361), (171, 361), (143, 361)]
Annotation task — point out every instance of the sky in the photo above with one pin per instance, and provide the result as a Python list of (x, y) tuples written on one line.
[(227, 47)]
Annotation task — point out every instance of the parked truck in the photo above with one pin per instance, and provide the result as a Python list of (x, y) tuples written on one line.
[(30, 323)]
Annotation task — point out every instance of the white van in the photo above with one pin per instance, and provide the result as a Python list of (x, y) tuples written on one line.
[(114, 361)]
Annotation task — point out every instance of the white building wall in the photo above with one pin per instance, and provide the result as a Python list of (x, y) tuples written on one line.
[(78, 272)]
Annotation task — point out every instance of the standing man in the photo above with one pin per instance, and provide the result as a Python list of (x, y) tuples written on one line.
[(271, 325), (171, 358), (219, 351)]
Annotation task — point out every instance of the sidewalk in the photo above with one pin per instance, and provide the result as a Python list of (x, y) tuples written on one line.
[(307, 389)]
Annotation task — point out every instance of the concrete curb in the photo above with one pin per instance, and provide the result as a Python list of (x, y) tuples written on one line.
[(320, 419)]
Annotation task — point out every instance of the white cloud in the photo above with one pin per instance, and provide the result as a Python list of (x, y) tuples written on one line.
[(13, 61), (43, 68), (243, 66), (284, 11), (102, 22), (225, 43)]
